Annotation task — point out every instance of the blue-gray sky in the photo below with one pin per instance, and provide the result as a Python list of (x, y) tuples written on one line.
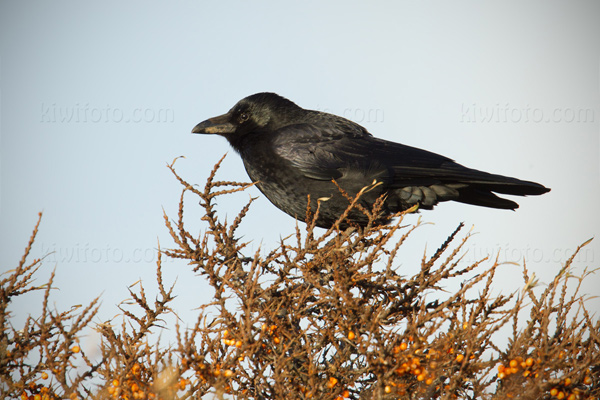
[(97, 97)]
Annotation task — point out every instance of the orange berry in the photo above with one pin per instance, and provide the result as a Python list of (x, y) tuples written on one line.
[(136, 369), (115, 382), (587, 380), (567, 381), (332, 382), (529, 362), (228, 373), (421, 377), (403, 346), (346, 393), (553, 392), (238, 344), (351, 335), (501, 375), (44, 375), (429, 381), (387, 389), (276, 340), (134, 387), (225, 333), (75, 349), (459, 357), (560, 395), (37, 396), (513, 363), (572, 396), (501, 368)]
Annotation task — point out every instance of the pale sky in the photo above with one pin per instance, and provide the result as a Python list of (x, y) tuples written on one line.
[(97, 97)]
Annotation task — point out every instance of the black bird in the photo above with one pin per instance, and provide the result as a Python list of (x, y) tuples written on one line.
[(292, 153)]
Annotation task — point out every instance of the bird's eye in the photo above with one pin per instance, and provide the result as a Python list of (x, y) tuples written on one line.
[(244, 117)]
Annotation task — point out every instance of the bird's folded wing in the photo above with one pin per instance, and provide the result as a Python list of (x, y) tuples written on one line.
[(325, 154)]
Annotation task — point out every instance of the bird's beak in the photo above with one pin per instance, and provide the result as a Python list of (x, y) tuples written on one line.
[(218, 125)]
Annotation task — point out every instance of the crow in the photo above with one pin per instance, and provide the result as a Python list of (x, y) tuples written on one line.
[(296, 156)]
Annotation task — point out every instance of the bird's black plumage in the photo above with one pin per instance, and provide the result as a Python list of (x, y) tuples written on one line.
[(292, 153)]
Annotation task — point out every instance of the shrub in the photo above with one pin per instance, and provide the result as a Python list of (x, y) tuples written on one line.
[(323, 315)]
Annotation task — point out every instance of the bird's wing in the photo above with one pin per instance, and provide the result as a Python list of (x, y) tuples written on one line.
[(327, 153)]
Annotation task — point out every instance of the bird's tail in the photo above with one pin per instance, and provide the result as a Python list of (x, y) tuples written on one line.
[(481, 192)]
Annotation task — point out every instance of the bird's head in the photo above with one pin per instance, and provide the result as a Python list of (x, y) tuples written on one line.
[(255, 113)]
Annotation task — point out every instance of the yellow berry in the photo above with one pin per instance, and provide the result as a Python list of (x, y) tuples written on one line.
[(75, 349), (387, 389)]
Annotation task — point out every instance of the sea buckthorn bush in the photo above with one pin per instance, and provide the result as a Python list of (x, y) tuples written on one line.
[(323, 315)]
